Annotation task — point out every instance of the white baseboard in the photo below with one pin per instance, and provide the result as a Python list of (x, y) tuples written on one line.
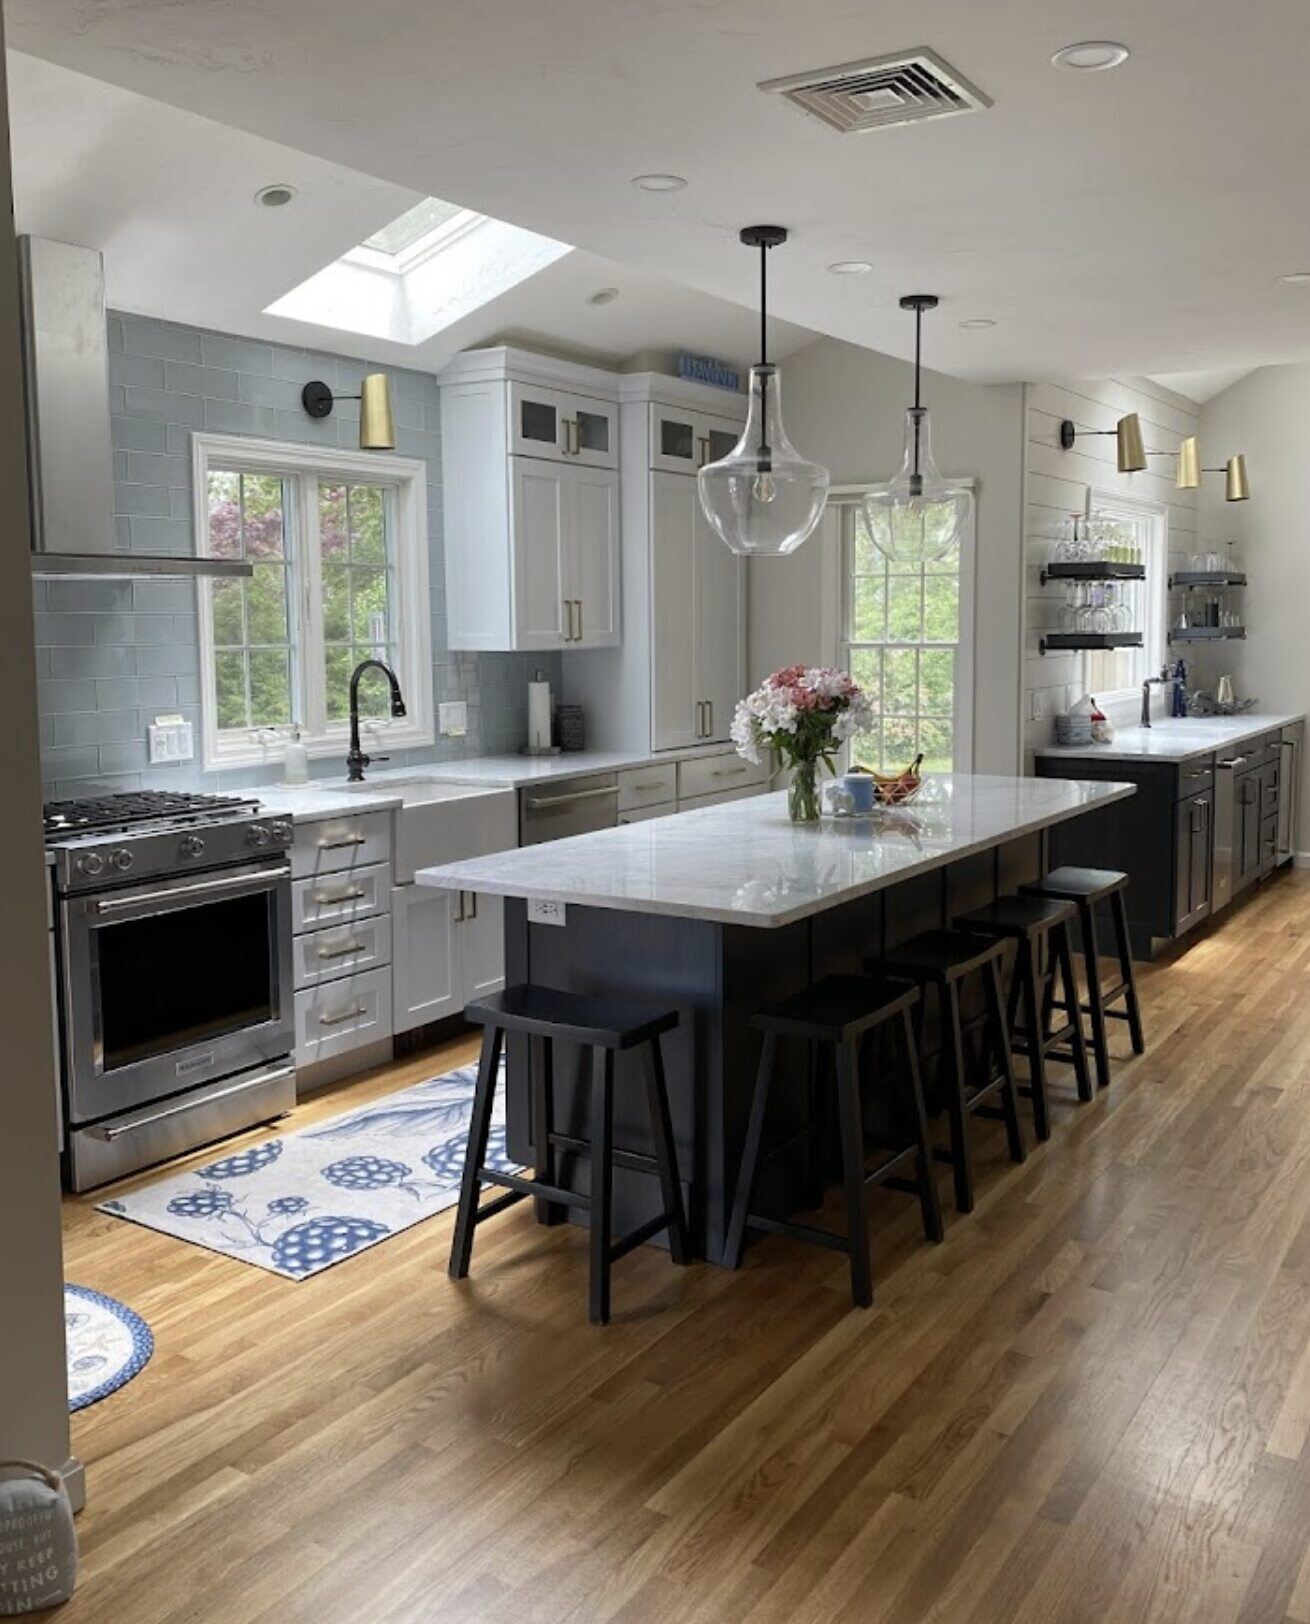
[(74, 1476), (1301, 859)]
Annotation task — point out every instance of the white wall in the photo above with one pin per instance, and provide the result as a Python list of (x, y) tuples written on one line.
[(845, 406), (1056, 484), (1267, 417), (33, 1373)]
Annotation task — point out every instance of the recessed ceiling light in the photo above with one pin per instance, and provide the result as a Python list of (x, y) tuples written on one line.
[(849, 267), (603, 296), (658, 183), (1091, 55), (273, 197), (975, 324), (1295, 278)]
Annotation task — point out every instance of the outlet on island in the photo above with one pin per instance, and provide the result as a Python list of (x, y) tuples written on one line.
[(541, 912)]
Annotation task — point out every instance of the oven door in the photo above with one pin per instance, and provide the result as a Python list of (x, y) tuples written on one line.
[(172, 984)]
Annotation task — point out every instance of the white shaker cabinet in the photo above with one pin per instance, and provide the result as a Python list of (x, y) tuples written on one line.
[(531, 499), (449, 950)]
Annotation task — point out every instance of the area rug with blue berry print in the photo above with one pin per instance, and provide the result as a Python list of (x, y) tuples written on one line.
[(295, 1203)]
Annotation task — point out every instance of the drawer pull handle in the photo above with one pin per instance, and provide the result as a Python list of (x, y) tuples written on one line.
[(345, 1015), (650, 783), (343, 843), (728, 772), (345, 951), (350, 893)]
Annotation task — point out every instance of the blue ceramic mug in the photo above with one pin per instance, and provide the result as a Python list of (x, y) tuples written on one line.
[(859, 786)]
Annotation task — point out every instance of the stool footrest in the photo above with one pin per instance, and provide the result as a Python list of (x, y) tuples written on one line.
[(489, 1209), (636, 1237), (799, 1232), (536, 1188), (633, 1160)]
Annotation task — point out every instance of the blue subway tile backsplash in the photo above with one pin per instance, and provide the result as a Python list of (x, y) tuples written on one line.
[(111, 655)]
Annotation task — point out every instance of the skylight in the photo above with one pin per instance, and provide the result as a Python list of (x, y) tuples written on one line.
[(431, 267), (413, 226)]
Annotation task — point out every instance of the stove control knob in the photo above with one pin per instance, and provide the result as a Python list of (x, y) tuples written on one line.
[(91, 864), (122, 859), (257, 834), (192, 845), (281, 831)]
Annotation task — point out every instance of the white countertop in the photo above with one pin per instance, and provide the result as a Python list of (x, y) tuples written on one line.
[(313, 803), (745, 863), (1174, 738), (389, 787)]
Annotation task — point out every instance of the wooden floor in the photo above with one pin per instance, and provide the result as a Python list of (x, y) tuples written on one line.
[(1091, 1403)]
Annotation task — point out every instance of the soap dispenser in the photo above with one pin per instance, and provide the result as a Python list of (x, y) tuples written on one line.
[(295, 768)]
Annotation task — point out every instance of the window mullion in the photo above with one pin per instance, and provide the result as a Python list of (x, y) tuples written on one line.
[(311, 605)]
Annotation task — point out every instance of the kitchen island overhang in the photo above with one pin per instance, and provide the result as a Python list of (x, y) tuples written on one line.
[(723, 910)]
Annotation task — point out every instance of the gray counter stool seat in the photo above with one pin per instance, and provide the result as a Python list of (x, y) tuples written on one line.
[(1034, 924), (1087, 888), (605, 1026), (838, 1013), (944, 959)]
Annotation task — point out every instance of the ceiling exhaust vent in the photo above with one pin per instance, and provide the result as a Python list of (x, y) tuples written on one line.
[(884, 90)]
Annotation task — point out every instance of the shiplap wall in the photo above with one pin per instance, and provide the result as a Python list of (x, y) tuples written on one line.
[(1055, 485)]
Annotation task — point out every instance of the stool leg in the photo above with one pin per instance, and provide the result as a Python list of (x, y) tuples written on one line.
[(1095, 1007), (816, 1140), (1025, 971), (1062, 948), (929, 1202), (666, 1156), (857, 1195), (1119, 908), (953, 1054), (750, 1154), (602, 1182), (475, 1153), (543, 1125), (1001, 1038)]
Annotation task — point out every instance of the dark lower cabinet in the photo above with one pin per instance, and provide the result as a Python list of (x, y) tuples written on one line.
[(1193, 842), (1247, 831)]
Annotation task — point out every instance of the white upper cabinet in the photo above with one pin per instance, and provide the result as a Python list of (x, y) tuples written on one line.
[(682, 441), (531, 495)]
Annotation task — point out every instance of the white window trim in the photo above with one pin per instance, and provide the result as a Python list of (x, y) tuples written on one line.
[(836, 586), (436, 241), (1155, 644), (407, 479)]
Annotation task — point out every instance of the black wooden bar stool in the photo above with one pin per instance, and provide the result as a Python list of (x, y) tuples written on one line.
[(605, 1026), (1085, 888), (839, 1012), (1034, 923), (943, 959)]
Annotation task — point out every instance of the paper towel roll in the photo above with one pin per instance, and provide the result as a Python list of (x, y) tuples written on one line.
[(539, 713)]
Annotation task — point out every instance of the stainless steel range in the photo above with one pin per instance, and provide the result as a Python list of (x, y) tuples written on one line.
[(174, 941)]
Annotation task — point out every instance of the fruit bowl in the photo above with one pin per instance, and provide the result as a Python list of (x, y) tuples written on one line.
[(899, 793)]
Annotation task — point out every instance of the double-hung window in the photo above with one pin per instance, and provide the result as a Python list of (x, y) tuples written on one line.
[(337, 543), (906, 639), (1138, 529)]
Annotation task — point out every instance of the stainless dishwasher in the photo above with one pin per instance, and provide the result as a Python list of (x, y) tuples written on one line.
[(572, 806)]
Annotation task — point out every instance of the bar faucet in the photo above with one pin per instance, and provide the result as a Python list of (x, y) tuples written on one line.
[(356, 760), (1150, 683)]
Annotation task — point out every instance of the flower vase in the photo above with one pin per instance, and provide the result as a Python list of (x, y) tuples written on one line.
[(803, 793)]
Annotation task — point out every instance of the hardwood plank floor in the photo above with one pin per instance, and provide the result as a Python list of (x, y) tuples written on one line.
[(1091, 1403)]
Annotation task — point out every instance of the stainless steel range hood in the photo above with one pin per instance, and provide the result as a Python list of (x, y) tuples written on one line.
[(70, 461)]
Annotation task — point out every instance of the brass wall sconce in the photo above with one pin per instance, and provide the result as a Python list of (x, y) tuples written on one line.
[(376, 428), (1131, 457)]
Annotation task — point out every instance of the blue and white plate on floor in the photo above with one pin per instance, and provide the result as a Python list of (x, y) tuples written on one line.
[(107, 1345)]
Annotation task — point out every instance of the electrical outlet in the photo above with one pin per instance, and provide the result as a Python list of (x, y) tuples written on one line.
[(453, 719), (543, 912), (170, 739)]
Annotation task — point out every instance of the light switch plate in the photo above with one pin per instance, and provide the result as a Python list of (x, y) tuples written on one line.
[(453, 719), (542, 912), (171, 739)]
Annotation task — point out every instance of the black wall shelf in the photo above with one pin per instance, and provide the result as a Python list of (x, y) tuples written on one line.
[(1206, 578), (1059, 642), (1207, 634), (1094, 570)]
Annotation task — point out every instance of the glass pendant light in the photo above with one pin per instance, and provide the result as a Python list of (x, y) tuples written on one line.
[(918, 517), (763, 499)]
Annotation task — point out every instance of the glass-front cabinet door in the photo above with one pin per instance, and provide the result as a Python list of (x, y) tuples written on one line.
[(561, 427), (682, 442)]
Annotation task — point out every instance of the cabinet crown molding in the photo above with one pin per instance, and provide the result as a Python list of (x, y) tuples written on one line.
[(503, 363)]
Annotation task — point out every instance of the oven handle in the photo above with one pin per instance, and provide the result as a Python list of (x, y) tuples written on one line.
[(199, 889), (110, 1133)]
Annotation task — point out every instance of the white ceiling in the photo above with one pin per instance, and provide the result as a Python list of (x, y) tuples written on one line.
[(1125, 221), (1202, 386), (168, 197)]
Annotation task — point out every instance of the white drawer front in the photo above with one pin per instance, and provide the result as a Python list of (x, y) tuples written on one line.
[(644, 814), (336, 899), (647, 786), (342, 1015), (709, 775), (330, 844), (720, 797), (342, 950)]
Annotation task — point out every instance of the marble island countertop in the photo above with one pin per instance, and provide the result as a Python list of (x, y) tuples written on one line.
[(745, 863), (1175, 738)]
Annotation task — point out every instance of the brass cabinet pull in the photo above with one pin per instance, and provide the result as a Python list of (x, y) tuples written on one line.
[(345, 1015), (577, 604), (709, 725), (350, 893), (728, 772), (704, 443), (345, 951)]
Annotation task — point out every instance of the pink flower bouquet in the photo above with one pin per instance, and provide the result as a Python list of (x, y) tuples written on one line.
[(802, 715)]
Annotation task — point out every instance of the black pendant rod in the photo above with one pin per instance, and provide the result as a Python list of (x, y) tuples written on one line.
[(918, 302), (764, 304)]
